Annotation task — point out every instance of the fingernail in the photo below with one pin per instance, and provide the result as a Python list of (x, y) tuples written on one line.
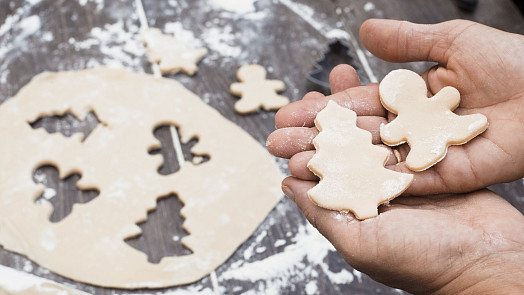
[(288, 192)]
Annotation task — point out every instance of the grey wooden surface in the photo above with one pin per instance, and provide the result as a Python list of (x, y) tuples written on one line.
[(286, 36)]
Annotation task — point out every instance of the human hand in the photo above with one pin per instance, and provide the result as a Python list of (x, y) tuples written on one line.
[(453, 244), (443, 244), (484, 64)]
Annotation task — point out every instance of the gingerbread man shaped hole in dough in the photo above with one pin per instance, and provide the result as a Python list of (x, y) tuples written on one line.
[(428, 125), (256, 91)]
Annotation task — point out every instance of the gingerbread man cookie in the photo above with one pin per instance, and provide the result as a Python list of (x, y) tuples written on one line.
[(351, 169), (256, 91), (428, 125)]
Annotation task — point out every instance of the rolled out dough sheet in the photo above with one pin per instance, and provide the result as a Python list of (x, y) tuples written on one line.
[(224, 199)]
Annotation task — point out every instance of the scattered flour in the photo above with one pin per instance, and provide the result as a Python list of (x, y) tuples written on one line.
[(358, 275), (99, 3), (117, 42), (28, 266), (311, 288), (279, 243), (338, 34), (13, 281), (22, 28), (49, 193), (236, 6), (29, 26), (221, 41), (369, 6), (3, 76), (48, 37), (179, 33), (298, 262), (48, 240)]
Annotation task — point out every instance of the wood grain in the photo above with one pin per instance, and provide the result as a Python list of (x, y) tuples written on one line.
[(285, 40)]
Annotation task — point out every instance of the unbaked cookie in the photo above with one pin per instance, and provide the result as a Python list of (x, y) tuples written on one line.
[(256, 91), (428, 125), (350, 167)]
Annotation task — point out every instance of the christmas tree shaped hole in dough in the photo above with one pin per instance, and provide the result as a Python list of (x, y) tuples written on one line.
[(351, 169), (428, 125), (256, 91)]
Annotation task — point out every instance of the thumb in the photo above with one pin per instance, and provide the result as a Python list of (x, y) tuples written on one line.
[(402, 41), (331, 224)]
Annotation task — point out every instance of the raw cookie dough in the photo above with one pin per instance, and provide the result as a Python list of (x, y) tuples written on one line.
[(427, 124), (171, 54), (224, 199), (14, 282), (350, 167), (256, 91)]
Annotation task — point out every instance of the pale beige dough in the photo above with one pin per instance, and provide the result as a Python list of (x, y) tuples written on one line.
[(14, 282), (350, 167), (171, 55), (428, 125), (256, 91), (224, 199)]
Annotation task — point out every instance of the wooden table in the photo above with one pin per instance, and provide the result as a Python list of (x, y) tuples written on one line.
[(286, 36)]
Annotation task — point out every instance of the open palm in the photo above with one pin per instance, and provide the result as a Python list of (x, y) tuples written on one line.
[(488, 72), (429, 245)]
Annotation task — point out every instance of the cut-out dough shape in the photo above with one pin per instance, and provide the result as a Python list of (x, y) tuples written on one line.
[(14, 282), (171, 55), (350, 167), (223, 201), (428, 125), (255, 91)]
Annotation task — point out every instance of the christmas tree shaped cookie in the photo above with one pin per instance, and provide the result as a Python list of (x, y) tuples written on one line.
[(350, 167), (427, 124), (256, 91), (171, 55)]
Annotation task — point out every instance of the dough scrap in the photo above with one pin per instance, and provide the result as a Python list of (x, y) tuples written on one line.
[(224, 199), (350, 167), (14, 282), (256, 91), (172, 55), (428, 125)]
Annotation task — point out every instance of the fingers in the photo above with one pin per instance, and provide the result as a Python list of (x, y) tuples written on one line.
[(343, 77), (332, 224), (313, 95), (364, 100), (372, 124), (427, 182), (401, 41), (437, 78), (298, 164), (286, 142)]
